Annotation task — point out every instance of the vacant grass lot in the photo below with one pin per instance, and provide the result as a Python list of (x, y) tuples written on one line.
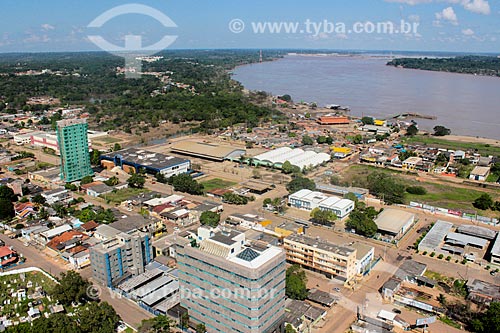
[(107, 139), (216, 183), (440, 195), (122, 195), (483, 149)]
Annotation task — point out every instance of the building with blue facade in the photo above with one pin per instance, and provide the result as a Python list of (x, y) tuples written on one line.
[(133, 160), (121, 257), (231, 284)]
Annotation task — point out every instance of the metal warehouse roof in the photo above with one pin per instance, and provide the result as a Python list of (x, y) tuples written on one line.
[(152, 286), (477, 231), (145, 158), (207, 150), (161, 293), (297, 157), (466, 239), (393, 220), (495, 250), (435, 236)]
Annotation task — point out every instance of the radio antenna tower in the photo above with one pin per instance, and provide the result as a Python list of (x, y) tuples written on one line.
[(260, 56)]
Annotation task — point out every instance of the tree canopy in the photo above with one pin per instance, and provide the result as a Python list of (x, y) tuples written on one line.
[(296, 281), (288, 168), (367, 121), (307, 140), (158, 324), (412, 130), (71, 288), (7, 193), (481, 65), (324, 217), (136, 180), (209, 218), (185, 183), (6, 209), (441, 131), (484, 202), (361, 220), (386, 187), (298, 183)]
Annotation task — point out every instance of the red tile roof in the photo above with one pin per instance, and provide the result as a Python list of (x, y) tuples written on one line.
[(160, 208), (64, 237), (6, 251), (89, 225), (330, 120)]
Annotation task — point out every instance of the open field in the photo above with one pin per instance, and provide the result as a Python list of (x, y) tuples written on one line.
[(107, 139), (446, 196), (216, 183), (482, 148), (122, 195), (442, 195)]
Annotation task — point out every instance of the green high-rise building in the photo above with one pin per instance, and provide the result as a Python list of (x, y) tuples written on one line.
[(74, 148)]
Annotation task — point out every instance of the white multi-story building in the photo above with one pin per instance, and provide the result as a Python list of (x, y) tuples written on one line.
[(308, 200)]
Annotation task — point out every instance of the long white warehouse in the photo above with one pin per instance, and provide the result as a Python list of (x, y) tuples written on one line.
[(298, 157)]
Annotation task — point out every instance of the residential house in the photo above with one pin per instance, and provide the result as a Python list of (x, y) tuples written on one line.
[(480, 173)]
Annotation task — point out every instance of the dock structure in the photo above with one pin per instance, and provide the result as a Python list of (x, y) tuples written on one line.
[(412, 115)]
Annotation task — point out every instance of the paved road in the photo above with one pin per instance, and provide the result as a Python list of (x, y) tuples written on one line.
[(131, 313)]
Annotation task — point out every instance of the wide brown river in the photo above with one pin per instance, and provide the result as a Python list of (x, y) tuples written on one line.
[(467, 104)]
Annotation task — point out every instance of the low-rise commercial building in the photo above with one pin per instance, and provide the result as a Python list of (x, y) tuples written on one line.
[(483, 292), (334, 261), (394, 222), (134, 160), (433, 239)]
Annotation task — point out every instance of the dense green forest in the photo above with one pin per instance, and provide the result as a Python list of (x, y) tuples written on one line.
[(212, 99), (479, 65)]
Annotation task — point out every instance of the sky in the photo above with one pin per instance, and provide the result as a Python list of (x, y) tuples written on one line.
[(417, 25)]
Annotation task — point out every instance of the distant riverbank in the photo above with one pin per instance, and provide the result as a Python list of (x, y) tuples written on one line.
[(484, 66)]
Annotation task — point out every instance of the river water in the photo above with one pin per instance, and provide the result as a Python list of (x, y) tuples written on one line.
[(467, 104)]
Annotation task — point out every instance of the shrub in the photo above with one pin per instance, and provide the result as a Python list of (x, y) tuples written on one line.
[(425, 253), (418, 190), (433, 254), (441, 256), (448, 258)]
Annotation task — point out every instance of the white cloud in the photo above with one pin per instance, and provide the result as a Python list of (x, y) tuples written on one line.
[(468, 32), (47, 27), (448, 14), (477, 6)]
